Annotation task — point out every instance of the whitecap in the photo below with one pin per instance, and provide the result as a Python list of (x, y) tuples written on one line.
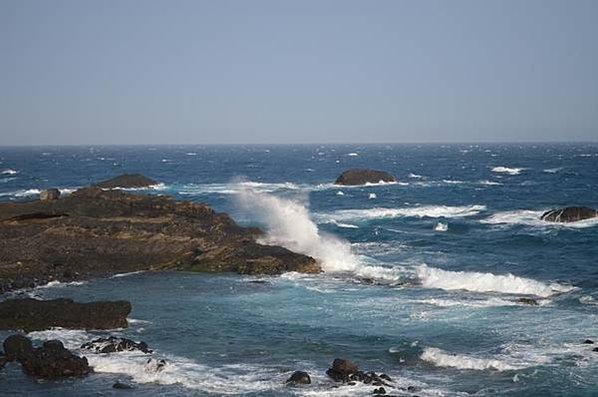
[(508, 170), (372, 196), (553, 170), (441, 227), (353, 154), (9, 172), (414, 176), (431, 277)]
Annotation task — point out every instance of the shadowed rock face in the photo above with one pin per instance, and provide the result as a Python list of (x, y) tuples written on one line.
[(569, 214), (36, 315), (95, 232), (127, 181), (362, 176)]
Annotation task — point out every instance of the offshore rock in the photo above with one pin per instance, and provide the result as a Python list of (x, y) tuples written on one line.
[(36, 315), (127, 181), (299, 378), (49, 194), (95, 232), (569, 214), (114, 344), (358, 176)]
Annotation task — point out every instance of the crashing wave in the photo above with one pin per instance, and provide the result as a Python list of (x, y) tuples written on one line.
[(441, 358), (430, 211)]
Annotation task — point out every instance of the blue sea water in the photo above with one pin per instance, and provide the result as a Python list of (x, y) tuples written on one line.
[(422, 278)]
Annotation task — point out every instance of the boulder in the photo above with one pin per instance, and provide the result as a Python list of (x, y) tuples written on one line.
[(588, 342), (3, 361), (51, 360), (362, 176), (380, 390), (299, 378), (17, 347), (341, 369), (37, 315), (49, 195), (114, 344), (569, 214), (127, 181)]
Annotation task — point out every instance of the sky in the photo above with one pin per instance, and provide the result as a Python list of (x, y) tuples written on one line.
[(281, 71)]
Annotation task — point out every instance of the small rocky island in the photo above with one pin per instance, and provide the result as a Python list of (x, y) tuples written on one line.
[(569, 214), (357, 176), (98, 231)]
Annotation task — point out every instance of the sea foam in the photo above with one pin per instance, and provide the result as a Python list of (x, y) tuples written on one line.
[(508, 170), (431, 277), (441, 358), (430, 211)]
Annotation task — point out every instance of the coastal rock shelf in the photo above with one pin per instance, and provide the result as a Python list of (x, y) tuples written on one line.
[(96, 232)]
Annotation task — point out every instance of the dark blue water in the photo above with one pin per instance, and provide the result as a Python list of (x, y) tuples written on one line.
[(422, 277)]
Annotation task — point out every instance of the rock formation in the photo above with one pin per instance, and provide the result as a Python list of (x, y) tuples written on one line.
[(362, 176)]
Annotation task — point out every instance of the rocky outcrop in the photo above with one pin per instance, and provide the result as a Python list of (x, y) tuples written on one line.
[(114, 344), (127, 181), (36, 315), (348, 372), (358, 176), (49, 194), (569, 214), (49, 361), (299, 378), (96, 232), (528, 301)]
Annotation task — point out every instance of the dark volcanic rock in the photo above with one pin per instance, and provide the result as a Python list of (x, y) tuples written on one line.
[(51, 360), (3, 361), (362, 176), (95, 232), (17, 347), (299, 378), (35, 315), (50, 194), (113, 344), (127, 181), (588, 342), (569, 214)]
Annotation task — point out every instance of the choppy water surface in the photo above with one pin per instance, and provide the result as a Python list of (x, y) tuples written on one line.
[(422, 278)]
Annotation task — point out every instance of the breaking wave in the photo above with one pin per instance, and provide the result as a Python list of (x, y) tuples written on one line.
[(430, 211), (532, 218), (441, 358), (431, 277)]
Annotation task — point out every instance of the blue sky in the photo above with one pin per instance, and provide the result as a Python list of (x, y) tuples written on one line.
[(176, 72)]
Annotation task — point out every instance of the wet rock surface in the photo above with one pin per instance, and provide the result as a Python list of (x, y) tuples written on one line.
[(114, 344), (36, 315), (299, 378), (127, 181), (96, 232), (569, 214)]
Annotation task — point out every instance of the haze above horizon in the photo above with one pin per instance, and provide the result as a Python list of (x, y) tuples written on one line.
[(270, 72)]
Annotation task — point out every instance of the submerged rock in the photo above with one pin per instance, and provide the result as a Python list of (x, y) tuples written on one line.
[(155, 365), (380, 390), (127, 181), (51, 360), (122, 386), (37, 315), (299, 378), (114, 344), (528, 301), (588, 342), (49, 194), (569, 214), (358, 176)]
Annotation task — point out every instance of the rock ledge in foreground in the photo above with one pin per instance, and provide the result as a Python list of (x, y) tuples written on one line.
[(37, 315)]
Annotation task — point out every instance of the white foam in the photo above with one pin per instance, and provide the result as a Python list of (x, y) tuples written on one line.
[(490, 183), (508, 170), (532, 218), (453, 182), (340, 193), (21, 193), (441, 358), (431, 277), (478, 303), (353, 154), (60, 284), (431, 211), (119, 275), (441, 227), (553, 170), (372, 196), (414, 176), (9, 172)]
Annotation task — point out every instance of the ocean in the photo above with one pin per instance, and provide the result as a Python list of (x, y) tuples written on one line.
[(422, 278)]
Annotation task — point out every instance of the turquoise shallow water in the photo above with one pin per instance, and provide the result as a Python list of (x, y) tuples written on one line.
[(423, 277)]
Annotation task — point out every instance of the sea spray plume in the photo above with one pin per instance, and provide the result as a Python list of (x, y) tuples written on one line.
[(288, 223)]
